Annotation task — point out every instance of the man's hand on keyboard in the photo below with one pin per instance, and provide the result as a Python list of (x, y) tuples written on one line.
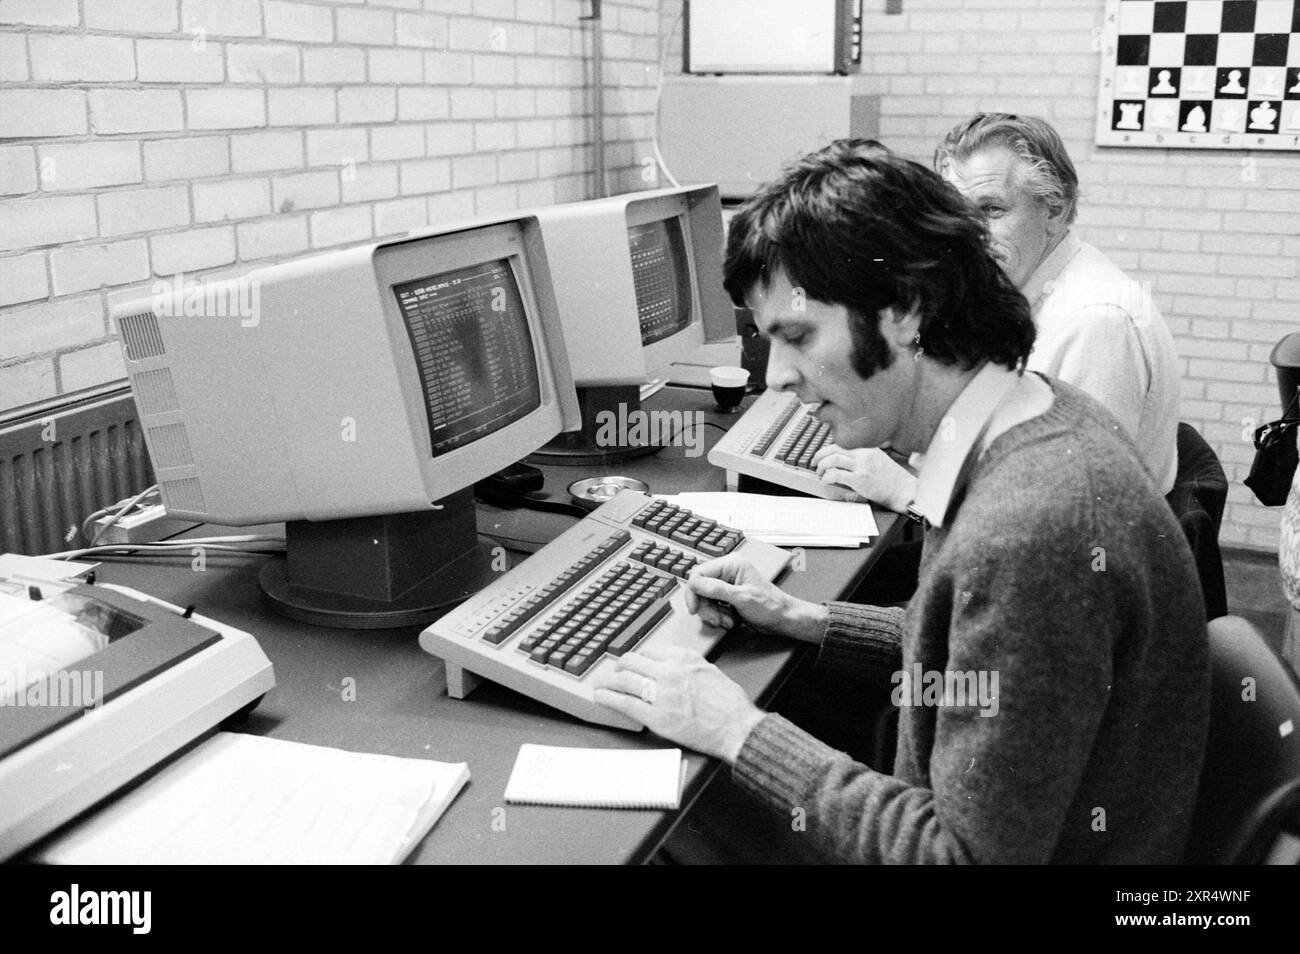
[(869, 472), (732, 581), (682, 697)]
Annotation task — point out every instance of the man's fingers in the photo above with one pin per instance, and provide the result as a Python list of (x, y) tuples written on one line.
[(625, 681), (836, 475), (713, 614), (835, 459), (630, 706), (711, 587), (640, 664)]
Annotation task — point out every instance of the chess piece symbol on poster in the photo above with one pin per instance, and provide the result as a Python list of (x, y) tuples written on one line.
[(1296, 87), (1197, 82), (1231, 117), (1195, 120), (1163, 114), (1233, 87), (1266, 83), (1131, 82), (1163, 87), (1129, 116), (1262, 117)]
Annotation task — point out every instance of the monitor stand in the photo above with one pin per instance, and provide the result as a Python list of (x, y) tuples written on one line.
[(613, 430), (382, 572)]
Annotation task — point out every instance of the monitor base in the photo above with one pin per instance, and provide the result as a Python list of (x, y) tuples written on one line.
[(454, 583), (614, 429), (385, 571), (570, 450)]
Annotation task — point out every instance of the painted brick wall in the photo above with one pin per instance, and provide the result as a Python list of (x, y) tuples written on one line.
[(139, 138), (1217, 234)]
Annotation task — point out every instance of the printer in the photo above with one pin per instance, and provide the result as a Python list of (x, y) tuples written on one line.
[(100, 683)]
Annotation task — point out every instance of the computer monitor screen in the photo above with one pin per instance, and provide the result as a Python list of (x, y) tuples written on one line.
[(662, 274), (473, 350), (638, 278), (358, 398)]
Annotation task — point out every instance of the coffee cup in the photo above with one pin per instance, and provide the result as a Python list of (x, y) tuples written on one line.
[(728, 387)]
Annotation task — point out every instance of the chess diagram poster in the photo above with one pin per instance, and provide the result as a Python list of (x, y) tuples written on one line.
[(1201, 74)]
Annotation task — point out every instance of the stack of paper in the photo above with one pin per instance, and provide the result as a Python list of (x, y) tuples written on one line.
[(245, 799), (786, 521)]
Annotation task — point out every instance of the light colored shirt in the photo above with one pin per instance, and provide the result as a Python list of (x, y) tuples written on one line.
[(1289, 550), (1099, 330), (992, 401), (1288, 555)]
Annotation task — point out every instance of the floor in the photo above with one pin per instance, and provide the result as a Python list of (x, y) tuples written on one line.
[(1255, 592)]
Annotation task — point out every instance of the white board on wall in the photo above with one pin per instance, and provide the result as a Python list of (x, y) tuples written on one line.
[(761, 36)]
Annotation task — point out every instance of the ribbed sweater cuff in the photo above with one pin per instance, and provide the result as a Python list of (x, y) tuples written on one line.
[(861, 640), (779, 763)]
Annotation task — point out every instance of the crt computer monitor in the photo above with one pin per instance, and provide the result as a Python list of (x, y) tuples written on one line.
[(638, 280), (356, 395)]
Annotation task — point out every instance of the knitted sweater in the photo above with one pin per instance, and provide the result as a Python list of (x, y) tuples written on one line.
[(1063, 572)]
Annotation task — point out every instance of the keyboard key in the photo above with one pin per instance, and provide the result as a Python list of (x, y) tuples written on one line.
[(682, 526), (765, 440), (630, 637), (529, 609)]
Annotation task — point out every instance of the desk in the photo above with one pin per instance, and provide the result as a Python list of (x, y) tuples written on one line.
[(401, 705)]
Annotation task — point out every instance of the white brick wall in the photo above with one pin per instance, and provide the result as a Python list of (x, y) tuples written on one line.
[(80, 267), (139, 138), (22, 278)]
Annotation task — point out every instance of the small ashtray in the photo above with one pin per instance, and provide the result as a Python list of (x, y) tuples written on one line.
[(590, 492)]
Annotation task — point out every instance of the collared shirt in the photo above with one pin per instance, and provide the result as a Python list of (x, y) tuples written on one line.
[(965, 431), (1099, 330)]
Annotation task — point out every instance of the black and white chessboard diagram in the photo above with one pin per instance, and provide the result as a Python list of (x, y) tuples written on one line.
[(1212, 74)]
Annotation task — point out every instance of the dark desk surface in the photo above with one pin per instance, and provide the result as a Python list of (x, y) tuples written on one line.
[(401, 705)]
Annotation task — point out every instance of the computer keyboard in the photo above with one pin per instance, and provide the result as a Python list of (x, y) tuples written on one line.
[(610, 584), (775, 440)]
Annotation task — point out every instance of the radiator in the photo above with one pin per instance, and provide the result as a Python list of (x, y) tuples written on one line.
[(61, 463)]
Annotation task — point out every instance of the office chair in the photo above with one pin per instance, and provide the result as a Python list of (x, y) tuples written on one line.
[(1197, 500), (1248, 804)]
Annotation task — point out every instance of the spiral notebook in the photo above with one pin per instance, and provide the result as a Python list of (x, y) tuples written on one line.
[(596, 778)]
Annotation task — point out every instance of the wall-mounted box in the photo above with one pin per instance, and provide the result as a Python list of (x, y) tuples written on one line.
[(738, 131), (772, 36)]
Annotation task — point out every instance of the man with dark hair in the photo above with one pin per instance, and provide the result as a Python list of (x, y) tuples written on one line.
[(1051, 670), (1096, 328)]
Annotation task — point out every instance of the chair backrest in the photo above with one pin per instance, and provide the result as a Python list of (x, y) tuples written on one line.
[(1200, 473), (1197, 500), (1249, 794)]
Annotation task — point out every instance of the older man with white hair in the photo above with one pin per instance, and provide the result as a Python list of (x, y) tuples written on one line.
[(1096, 328)]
